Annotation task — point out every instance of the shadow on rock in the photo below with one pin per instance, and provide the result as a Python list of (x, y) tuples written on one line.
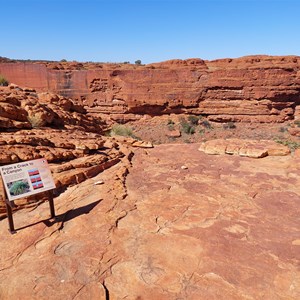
[(65, 217)]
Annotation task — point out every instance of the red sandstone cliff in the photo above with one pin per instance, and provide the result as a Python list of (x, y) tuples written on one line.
[(35, 125), (254, 88)]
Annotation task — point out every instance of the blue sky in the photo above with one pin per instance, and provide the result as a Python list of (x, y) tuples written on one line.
[(152, 31)]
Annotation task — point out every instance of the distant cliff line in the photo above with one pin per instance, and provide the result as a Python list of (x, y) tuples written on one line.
[(247, 89)]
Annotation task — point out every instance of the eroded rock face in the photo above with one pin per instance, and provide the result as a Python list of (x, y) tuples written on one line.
[(71, 141), (249, 89), (73, 155), (223, 227), (25, 108)]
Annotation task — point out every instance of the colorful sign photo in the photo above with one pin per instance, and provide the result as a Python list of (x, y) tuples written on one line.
[(26, 178)]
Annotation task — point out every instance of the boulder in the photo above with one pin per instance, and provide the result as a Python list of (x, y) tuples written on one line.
[(249, 148)]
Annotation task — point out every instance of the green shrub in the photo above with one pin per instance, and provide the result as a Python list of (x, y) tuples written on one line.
[(121, 130), (291, 144), (186, 127), (3, 81), (19, 187), (201, 131), (171, 125), (190, 129), (206, 124), (193, 120)]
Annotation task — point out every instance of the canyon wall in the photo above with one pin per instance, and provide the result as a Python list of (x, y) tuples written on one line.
[(247, 89)]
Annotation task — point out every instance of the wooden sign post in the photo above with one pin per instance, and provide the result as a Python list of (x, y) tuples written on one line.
[(25, 179), (10, 217), (51, 204)]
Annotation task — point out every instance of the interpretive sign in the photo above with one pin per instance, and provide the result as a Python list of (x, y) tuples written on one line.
[(24, 179)]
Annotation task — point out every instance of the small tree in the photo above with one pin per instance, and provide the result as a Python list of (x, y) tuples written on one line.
[(3, 81), (138, 62)]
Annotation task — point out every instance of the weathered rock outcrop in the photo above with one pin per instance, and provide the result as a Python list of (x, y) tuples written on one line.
[(223, 227), (254, 88), (248, 148), (25, 108), (35, 125)]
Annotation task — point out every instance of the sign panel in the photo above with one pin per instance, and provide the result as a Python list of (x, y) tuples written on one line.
[(26, 178)]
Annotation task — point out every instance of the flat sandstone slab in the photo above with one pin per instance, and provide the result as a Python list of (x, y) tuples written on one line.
[(184, 225), (249, 148), (222, 227)]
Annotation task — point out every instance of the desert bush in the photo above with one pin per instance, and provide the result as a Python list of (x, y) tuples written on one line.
[(193, 120), (121, 130), (283, 129), (187, 141), (291, 144), (3, 81), (186, 127), (206, 124), (201, 131), (229, 125), (171, 125), (18, 188)]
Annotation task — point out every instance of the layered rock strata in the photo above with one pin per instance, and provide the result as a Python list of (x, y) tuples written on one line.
[(249, 89), (25, 108), (42, 125)]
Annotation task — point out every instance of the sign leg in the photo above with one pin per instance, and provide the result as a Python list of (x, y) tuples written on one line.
[(51, 204), (10, 219)]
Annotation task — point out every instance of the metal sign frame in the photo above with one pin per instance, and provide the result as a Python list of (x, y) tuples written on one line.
[(10, 203)]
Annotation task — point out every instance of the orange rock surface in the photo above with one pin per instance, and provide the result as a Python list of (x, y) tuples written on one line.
[(249, 148), (221, 227), (35, 125), (249, 89), (166, 223)]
